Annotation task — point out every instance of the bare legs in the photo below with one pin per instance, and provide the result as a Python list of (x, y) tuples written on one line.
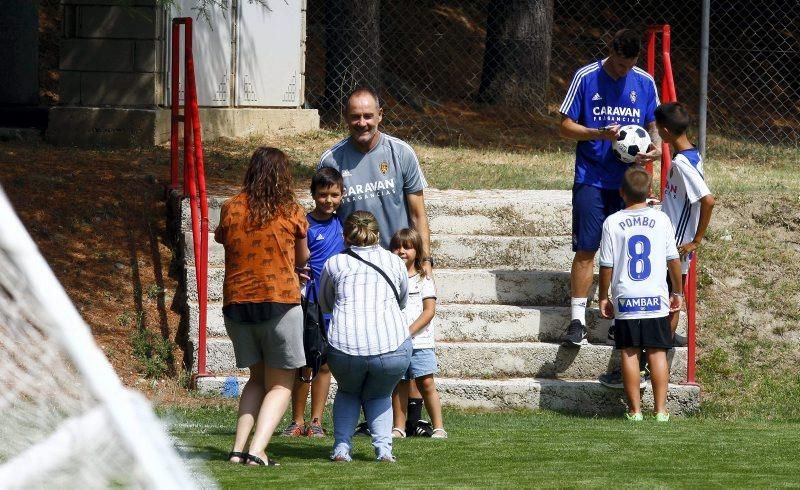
[(320, 387), (659, 375), (427, 389), (581, 273), (264, 400)]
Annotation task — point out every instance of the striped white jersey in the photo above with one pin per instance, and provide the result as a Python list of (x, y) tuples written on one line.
[(637, 243), (686, 185), (367, 320)]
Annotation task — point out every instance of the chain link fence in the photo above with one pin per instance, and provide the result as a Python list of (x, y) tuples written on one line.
[(494, 72)]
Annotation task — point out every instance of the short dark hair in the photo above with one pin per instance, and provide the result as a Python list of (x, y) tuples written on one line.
[(636, 184), (673, 116), (627, 43), (360, 90), (326, 177)]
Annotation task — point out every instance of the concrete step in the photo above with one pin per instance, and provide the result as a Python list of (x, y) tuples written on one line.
[(578, 397), (488, 360), (469, 323), (587, 398), (502, 252), (505, 323), (537, 360), (462, 252), (474, 323), (499, 212), (479, 286), (484, 212)]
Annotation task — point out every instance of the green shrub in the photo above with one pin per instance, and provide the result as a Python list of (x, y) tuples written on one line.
[(153, 352)]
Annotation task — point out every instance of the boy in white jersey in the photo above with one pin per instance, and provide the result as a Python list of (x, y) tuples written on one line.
[(687, 199), (637, 250)]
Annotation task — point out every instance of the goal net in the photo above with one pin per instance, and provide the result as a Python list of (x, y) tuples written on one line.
[(66, 420)]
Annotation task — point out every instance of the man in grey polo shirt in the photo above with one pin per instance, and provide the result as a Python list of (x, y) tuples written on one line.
[(381, 173)]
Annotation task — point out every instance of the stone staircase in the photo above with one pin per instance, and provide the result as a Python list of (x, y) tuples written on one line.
[(503, 303)]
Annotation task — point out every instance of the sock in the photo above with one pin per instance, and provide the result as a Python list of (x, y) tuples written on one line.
[(579, 309), (414, 412)]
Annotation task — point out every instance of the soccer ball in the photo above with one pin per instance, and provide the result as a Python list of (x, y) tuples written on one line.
[(631, 139)]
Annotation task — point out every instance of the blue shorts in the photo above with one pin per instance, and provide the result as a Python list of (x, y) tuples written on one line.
[(423, 363), (590, 207)]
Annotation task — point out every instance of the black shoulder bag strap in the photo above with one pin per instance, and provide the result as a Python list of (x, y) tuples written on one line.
[(349, 252)]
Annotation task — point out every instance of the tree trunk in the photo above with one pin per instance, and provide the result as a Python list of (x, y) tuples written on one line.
[(516, 62), (352, 48)]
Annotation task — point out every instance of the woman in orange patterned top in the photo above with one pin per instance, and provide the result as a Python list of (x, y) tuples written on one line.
[(263, 229)]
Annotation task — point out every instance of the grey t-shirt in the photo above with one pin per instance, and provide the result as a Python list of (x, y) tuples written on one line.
[(377, 181)]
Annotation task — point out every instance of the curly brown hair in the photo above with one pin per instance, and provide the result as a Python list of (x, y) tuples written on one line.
[(268, 186)]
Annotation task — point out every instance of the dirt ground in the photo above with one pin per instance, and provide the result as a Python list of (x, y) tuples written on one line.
[(99, 220)]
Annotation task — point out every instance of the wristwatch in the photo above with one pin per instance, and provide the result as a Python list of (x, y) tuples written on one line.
[(428, 259)]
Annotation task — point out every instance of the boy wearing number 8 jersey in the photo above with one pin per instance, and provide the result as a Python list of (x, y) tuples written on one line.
[(637, 250)]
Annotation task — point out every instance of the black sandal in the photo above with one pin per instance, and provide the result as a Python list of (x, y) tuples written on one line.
[(237, 454), (258, 461)]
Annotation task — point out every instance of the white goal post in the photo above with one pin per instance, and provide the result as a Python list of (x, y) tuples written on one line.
[(66, 420)]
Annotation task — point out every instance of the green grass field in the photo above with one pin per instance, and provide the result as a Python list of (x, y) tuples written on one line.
[(518, 449)]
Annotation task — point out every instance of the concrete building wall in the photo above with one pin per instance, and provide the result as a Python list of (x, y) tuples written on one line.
[(113, 62), (111, 55)]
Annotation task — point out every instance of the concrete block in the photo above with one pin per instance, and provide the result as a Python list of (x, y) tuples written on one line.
[(242, 122), (478, 286), (537, 360), (537, 213), (502, 252), (464, 323), (246, 121), (119, 89), (498, 360), (467, 252), (69, 86), (107, 21), (504, 323), (587, 398), (216, 277), (94, 126), (147, 56), (216, 252), (499, 212), (510, 287), (104, 55), (469, 323)]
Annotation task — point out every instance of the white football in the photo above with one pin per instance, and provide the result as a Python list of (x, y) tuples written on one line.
[(631, 139)]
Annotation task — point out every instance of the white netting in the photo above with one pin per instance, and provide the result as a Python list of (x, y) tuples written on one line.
[(66, 421)]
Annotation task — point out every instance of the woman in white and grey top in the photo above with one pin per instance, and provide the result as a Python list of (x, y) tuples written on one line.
[(368, 335)]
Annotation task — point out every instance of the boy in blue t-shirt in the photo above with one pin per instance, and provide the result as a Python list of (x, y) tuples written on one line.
[(325, 239)]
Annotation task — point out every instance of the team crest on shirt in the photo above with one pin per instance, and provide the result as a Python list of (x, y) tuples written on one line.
[(384, 167), (633, 96)]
